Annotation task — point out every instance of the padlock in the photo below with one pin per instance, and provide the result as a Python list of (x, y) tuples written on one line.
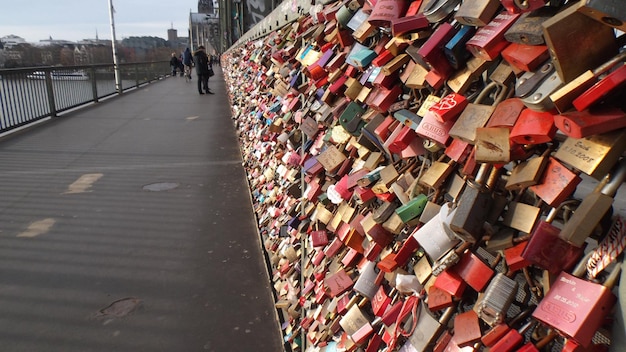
[(499, 295), (434, 237), (529, 172), (368, 282), (437, 10), (474, 271), (428, 328), (556, 184), (513, 338), (455, 50), (534, 88), (463, 79), (449, 259), (476, 115), (589, 122), (438, 299), (407, 24), (569, 60), (576, 307), (492, 145), (489, 40), (474, 205), (449, 107), (564, 96), (528, 28), (431, 52), (533, 127), (525, 57), (431, 129), (506, 113), (495, 333), (612, 12), (547, 250), (466, 329), (593, 207), (437, 173), (594, 155), (521, 216), (412, 209), (477, 13), (354, 319), (385, 11), (607, 85)]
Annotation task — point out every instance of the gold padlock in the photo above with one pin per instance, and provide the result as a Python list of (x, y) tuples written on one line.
[(594, 155), (528, 173), (492, 145), (476, 115)]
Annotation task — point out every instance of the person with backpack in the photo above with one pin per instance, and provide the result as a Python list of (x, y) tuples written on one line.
[(203, 67)]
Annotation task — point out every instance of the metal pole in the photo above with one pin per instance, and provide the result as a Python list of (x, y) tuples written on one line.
[(191, 33), (116, 67)]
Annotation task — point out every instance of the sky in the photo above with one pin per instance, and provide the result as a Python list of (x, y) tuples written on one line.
[(74, 20)]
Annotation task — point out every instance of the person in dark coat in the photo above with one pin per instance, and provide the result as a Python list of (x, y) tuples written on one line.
[(188, 62), (202, 63), (174, 64)]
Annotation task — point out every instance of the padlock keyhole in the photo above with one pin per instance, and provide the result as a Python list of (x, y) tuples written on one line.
[(612, 21)]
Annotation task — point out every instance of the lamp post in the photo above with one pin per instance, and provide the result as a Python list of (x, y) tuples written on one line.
[(116, 68)]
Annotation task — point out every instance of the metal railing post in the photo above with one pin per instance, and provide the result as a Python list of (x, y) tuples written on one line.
[(50, 91), (94, 85)]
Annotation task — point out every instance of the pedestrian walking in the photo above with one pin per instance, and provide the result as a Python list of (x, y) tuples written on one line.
[(174, 64), (203, 68), (188, 62)]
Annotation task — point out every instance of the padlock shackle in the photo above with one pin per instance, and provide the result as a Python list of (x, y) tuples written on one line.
[(581, 267), (617, 178), (609, 64)]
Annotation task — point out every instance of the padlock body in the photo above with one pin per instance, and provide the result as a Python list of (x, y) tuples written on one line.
[(575, 307), (556, 184), (586, 123), (473, 208), (548, 251), (585, 218)]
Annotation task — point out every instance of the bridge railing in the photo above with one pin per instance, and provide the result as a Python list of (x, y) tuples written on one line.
[(31, 94)]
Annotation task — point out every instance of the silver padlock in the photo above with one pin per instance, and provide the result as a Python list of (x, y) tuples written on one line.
[(534, 88), (498, 297)]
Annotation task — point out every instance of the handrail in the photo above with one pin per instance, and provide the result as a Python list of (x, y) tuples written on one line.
[(30, 94)]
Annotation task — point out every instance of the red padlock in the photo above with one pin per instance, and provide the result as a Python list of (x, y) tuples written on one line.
[(547, 250), (525, 57), (489, 40), (576, 307), (601, 89), (533, 127), (580, 124), (431, 52), (556, 184), (449, 107), (506, 113)]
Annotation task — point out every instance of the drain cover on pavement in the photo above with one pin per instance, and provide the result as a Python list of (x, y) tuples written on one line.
[(161, 186), (120, 308)]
